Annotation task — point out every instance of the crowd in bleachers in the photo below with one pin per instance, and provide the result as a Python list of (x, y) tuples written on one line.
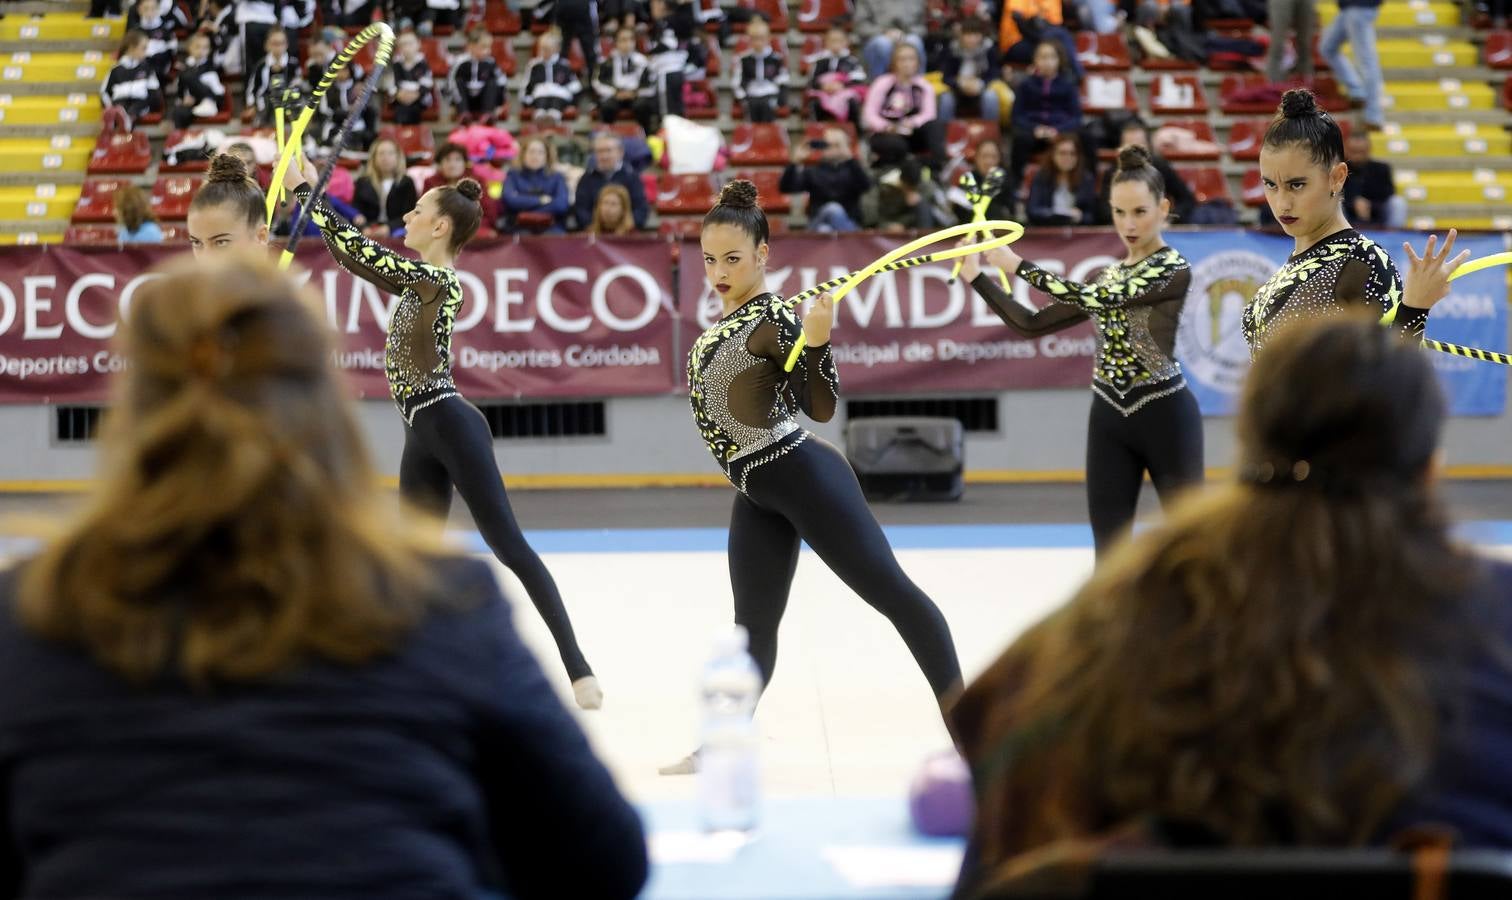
[(910, 91)]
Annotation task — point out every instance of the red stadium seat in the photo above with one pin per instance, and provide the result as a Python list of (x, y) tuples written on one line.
[(1252, 189), (1167, 64), (173, 140), (1202, 131), (686, 229), (1207, 183), (814, 131), (962, 134), (121, 153), (174, 233), (1102, 52), (775, 12), (816, 15), (434, 51), (761, 144), (97, 200), (1245, 137), (813, 47), (92, 235), (503, 53), (416, 141), (1107, 92), (498, 18), (685, 195), (1326, 89), (171, 195), (630, 131), (1173, 94), (1499, 49), (767, 182)]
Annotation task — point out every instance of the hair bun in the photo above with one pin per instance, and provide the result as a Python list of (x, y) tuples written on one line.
[(227, 167), (1133, 156), (739, 194), (470, 188), (1298, 103)]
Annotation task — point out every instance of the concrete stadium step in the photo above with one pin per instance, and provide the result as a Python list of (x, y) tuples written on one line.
[(1448, 94), (1430, 218), (1462, 139), (43, 155), (39, 232), (1412, 14), (42, 7), (45, 110), (36, 203), (60, 26), (105, 45), (1428, 51), (91, 65)]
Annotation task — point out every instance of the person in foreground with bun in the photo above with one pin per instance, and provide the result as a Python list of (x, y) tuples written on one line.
[(238, 673), (1333, 266), (1302, 657), (1143, 418), (447, 441), (792, 486), (229, 210)]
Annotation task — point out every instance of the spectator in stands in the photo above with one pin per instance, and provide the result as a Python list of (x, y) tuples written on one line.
[(132, 86), (1183, 201), (1360, 72), (609, 167), (99, 9), (228, 678), (161, 21), (1370, 196), (908, 199), (217, 21), (412, 85), (834, 184), (882, 25), (1063, 191), (425, 16), (322, 50), (550, 84), (900, 113), (578, 20), (201, 93), (258, 18), (611, 214), (986, 158), (477, 82), (337, 103), (535, 193), (276, 73), (678, 52), (1362, 684), (967, 67), (135, 223), (452, 165), (623, 82), (759, 77), (1046, 104), (1292, 18), (348, 13), (1025, 24), (837, 81), (384, 193)]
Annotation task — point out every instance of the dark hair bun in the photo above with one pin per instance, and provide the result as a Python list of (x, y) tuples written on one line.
[(227, 168), (738, 194), (470, 188), (1132, 156), (1298, 103)]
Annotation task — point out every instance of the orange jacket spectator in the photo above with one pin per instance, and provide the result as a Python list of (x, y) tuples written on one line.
[(1008, 31)]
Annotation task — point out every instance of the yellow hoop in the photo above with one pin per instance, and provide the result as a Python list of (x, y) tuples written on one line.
[(1485, 262), (899, 259)]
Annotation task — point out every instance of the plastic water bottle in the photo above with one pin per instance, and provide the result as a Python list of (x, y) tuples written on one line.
[(729, 770)]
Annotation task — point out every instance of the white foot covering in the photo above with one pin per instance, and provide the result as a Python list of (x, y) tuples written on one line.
[(587, 693)]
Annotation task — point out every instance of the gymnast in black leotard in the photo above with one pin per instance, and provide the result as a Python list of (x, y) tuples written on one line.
[(791, 485), (447, 441)]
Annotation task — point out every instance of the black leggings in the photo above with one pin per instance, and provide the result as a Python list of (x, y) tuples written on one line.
[(1164, 437), (811, 494), (450, 444)]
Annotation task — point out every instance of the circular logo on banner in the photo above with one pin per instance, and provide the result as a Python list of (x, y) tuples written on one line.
[(1210, 339)]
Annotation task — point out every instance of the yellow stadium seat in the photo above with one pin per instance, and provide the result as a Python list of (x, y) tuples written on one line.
[(92, 65)]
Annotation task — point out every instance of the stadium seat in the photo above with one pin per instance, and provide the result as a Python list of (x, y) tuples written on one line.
[(1207, 183), (760, 144), (92, 235), (121, 153), (775, 12), (813, 131), (498, 18), (1499, 49), (1251, 189), (1245, 137), (434, 51), (503, 52), (1102, 52), (417, 141), (816, 15), (630, 131), (686, 229), (97, 200), (1202, 131), (1107, 92), (962, 134), (813, 47), (685, 195), (768, 186), (171, 195), (1172, 94)]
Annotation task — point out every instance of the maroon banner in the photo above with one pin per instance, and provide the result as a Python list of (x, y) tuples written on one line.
[(540, 318), (913, 331)]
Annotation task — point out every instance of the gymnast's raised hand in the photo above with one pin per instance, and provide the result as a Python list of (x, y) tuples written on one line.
[(819, 319)]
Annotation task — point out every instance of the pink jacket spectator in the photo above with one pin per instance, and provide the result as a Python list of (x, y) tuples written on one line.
[(887, 102)]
